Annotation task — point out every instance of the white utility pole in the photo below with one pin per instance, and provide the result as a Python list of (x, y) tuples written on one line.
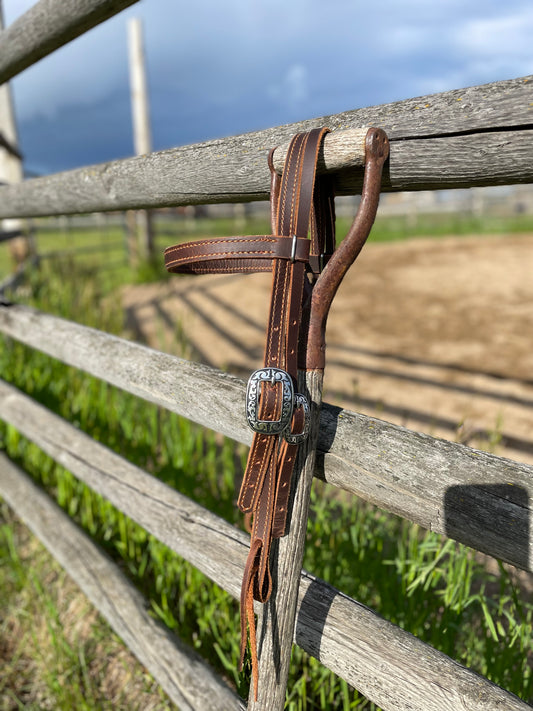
[(142, 138)]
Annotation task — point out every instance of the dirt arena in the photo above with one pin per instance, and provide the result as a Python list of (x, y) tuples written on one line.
[(432, 334)]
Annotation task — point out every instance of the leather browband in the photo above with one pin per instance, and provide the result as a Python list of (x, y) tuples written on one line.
[(217, 255), (302, 206)]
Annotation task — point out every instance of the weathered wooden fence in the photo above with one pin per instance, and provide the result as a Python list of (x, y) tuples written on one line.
[(477, 136)]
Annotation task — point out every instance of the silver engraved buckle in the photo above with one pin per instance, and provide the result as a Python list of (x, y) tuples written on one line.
[(253, 393), (297, 437)]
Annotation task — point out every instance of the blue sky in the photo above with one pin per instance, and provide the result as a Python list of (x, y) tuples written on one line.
[(219, 68)]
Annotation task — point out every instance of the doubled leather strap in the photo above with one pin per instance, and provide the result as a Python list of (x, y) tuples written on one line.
[(234, 254), (301, 208)]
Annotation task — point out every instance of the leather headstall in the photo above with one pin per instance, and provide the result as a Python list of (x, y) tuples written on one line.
[(301, 244)]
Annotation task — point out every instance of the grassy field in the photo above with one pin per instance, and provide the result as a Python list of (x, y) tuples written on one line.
[(385, 229), (108, 241), (431, 586)]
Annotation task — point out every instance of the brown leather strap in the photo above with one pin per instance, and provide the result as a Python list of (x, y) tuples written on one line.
[(247, 610), (300, 206), (235, 254)]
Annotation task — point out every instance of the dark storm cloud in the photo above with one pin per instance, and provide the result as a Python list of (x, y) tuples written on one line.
[(223, 68)]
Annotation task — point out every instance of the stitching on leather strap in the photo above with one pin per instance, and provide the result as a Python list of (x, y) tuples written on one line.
[(230, 270), (185, 245)]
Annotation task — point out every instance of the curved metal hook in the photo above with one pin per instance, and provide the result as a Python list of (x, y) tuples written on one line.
[(376, 153)]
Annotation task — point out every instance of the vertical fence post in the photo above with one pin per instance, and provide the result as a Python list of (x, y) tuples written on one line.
[(142, 139), (11, 170)]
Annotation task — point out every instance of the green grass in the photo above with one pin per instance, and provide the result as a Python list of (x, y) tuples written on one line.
[(385, 229), (55, 651), (431, 586)]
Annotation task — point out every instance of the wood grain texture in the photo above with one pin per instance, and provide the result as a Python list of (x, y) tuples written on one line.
[(48, 25), (278, 617), (391, 667), (184, 676), (472, 496), (463, 138)]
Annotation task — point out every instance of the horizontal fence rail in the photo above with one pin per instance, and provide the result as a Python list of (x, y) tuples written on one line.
[(474, 497), (184, 676), (48, 25), (387, 664), (463, 138)]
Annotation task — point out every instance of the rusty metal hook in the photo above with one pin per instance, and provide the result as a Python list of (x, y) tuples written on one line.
[(376, 153)]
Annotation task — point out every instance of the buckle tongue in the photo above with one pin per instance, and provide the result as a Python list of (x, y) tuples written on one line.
[(253, 394)]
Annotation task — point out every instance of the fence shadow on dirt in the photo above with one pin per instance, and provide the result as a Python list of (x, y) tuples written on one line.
[(347, 364)]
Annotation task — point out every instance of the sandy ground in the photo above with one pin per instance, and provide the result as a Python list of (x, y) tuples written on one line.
[(436, 335)]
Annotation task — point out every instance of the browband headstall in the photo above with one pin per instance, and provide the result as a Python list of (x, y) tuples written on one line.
[(302, 243)]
